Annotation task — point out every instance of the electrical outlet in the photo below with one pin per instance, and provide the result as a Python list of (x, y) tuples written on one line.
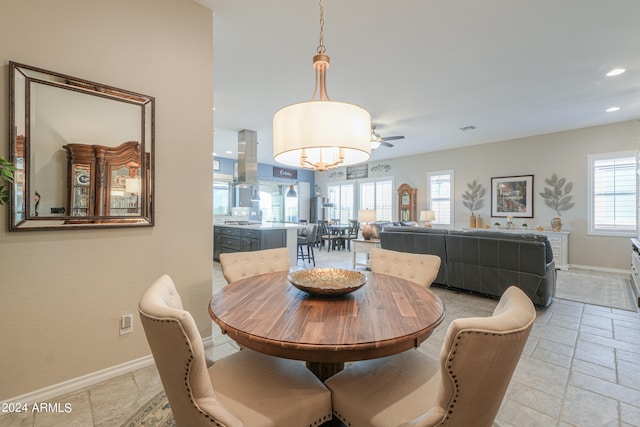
[(126, 324)]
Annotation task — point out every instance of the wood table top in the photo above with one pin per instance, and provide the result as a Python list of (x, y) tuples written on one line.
[(386, 316)]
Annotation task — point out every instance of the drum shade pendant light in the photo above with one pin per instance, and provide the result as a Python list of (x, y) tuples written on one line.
[(321, 134)]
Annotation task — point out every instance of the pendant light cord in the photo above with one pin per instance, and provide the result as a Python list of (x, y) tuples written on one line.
[(321, 48)]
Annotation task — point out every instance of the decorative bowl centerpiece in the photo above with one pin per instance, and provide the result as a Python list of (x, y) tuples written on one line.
[(327, 281)]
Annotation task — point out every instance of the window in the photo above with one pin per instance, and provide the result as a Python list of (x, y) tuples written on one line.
[(221, 198), (441, 196), (341, 195), (378, 195), (613, 194), (275, 206)]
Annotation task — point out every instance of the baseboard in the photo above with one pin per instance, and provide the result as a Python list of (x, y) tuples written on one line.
[(603, 269), (51, 392)]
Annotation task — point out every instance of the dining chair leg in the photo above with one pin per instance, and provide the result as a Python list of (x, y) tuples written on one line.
[(310, 255)]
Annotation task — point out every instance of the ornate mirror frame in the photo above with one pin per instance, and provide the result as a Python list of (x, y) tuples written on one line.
[(84, 153)]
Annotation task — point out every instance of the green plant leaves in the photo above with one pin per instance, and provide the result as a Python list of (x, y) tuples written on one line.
[(6, 174)]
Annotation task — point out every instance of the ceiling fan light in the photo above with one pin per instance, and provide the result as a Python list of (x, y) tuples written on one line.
[(616, 72)]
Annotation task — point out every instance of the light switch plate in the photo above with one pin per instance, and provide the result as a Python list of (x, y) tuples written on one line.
[(126, 324)]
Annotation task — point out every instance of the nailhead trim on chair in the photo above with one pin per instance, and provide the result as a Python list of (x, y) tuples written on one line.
[(449, 367), (187, 367), (321, 420), (341, 418), (187, 371)]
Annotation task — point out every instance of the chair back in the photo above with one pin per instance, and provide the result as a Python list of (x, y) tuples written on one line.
[(178, 352), (418, 268), (311, 233), (238, 265), (354, 227), (323, 228), (478, 358)]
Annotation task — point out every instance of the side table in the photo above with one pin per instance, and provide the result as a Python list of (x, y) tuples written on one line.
[(362, 246)]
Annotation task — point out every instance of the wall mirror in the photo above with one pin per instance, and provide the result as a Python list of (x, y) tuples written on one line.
[(84, 153)]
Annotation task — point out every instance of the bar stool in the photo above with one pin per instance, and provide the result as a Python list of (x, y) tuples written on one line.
[(308, 239)]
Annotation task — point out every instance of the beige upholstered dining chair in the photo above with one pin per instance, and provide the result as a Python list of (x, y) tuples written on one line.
[(243, 389), (464, 388), (238, 265), (418, 268)]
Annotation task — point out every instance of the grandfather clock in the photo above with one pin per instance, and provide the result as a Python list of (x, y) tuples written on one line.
[(407, 207)]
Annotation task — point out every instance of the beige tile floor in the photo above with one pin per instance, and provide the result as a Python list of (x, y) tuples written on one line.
[(580, 367)]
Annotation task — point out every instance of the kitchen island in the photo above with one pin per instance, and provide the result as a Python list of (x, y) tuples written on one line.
[(245, 237)]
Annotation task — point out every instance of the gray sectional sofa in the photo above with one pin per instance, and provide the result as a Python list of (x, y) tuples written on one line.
[(482, 261)]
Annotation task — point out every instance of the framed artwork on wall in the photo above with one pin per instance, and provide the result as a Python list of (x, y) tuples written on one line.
[(512, 196), (358, 171), (216, 165)]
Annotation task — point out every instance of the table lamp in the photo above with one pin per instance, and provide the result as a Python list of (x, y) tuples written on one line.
[(427, 217), (133, 185), (367, 216)]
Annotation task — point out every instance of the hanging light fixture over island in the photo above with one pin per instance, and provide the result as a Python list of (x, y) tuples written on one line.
[(321, 134)]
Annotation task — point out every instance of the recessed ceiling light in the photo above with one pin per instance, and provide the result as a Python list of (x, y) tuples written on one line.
[(616, 72), (215, 154), (612, 109), (229, 152)]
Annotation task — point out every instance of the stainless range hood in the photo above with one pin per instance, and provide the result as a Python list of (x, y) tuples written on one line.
[(247, 158)]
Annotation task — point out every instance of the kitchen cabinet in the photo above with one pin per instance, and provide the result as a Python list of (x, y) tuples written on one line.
[(228, 239)]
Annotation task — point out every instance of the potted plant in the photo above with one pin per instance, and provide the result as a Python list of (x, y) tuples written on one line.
[(496, 224), (6, 177), (556, 197), (524, 225), (472, 200)]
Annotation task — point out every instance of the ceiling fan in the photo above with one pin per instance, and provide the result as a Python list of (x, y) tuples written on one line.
[(377, 140)]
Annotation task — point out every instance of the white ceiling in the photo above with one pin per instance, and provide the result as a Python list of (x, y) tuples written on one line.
[(426, 68)]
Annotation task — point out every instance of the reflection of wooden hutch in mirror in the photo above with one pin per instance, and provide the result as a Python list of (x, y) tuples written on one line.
[(105, 181), (19, 184), (407, 208)]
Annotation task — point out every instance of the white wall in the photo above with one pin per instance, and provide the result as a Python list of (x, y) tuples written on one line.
[(564, 153), (62, 292)]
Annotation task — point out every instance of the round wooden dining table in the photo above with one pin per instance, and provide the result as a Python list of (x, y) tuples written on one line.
[(386, 316)]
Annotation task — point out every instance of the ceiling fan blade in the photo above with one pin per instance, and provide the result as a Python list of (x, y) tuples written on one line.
[(385, 143), (392, 138)]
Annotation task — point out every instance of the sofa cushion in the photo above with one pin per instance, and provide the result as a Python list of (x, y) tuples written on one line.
[(379, 226), (489, 262), (510, 236), (483, 261)]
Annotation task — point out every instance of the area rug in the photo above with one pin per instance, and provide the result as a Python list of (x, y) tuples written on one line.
[(155, 413), (611, 290)]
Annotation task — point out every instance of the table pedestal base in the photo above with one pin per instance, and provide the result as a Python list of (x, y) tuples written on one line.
[(325, 370)]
